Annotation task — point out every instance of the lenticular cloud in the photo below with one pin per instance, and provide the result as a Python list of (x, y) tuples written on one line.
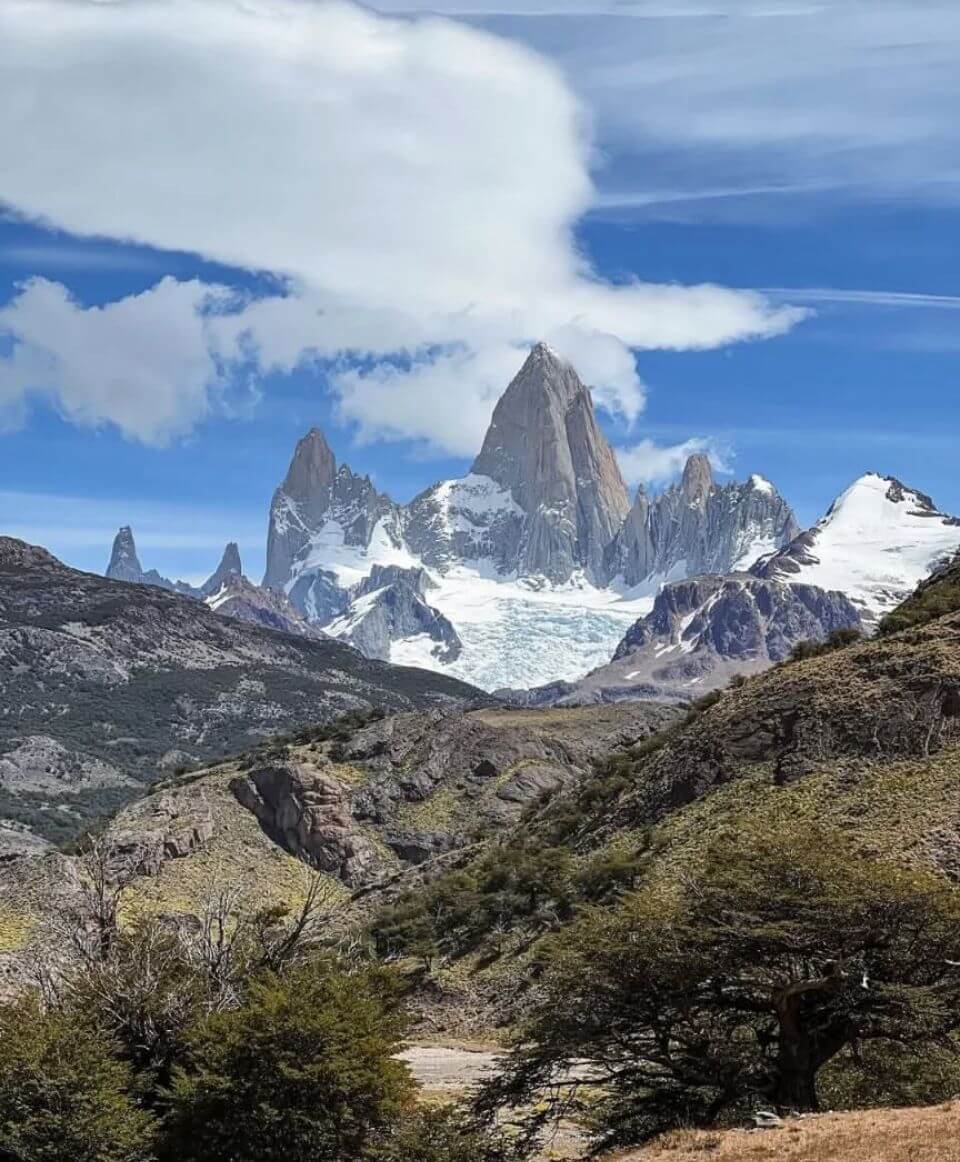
[(414, 184)]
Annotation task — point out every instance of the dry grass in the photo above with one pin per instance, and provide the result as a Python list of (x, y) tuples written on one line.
[(906, 1135)]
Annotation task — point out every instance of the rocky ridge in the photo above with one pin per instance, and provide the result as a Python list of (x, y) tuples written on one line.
[(359, 807), (701, 633), (391, 605), (698, 526), (118, 674)]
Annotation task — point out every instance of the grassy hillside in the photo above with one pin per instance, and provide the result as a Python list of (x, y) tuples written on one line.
[(863, 741), (897, 1135)]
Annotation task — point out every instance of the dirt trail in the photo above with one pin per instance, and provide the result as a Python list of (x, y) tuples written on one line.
[(439, 1067)]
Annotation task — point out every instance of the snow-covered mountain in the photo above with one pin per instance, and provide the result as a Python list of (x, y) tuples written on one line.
[(700, 633), (698, 526), (876, 542), (391, 605), (531, 568), (534, 557)]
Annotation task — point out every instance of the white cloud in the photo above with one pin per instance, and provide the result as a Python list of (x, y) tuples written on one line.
[(649, 463), (142, 363), (415, 181)]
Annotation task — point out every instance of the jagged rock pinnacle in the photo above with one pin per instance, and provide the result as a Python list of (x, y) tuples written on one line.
[(697, 478), (124, 562), (312, 471), (230, 566), (544, 447)]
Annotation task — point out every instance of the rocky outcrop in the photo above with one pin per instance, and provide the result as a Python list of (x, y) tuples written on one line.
[(704, 630), (124, 563), (431, 780), (230, 566), (308, 814), (322, 506), (545, 449), (161, 828), (39, 765), (118, 674), (390, 606), (698, 526)]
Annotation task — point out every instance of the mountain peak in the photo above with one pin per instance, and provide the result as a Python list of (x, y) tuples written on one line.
[(124, 562), (543, 353), (230, 566), (697, 478), (545, 448), (312, 468), (877, 492), (878, 539)]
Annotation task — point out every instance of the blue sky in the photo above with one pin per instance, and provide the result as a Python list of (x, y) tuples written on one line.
[(805, 152)]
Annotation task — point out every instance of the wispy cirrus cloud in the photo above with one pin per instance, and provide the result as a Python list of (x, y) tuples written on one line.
[(734, 100), (909, 300)]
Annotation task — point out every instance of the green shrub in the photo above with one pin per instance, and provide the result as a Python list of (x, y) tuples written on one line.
[(839, 639), (64, 1093), (303, 1071), (933, 598), (739, 983)]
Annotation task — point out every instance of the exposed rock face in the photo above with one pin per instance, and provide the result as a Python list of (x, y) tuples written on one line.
[(230, 566), (469, 520), (124, 562), (698, 526), (307, 813), (319, 504), (163, 830), (703, 630), (390, 606), (39, 764), (17, 841), (544, 447), (878, 540), (429, 779), (239, 598)]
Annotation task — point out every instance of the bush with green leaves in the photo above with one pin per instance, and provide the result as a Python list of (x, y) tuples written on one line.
[(883, 1074), (839, 639), (303, 1071), (64, 1092), (510, 884)]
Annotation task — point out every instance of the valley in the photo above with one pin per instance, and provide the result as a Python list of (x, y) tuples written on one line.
[(577, 775)]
